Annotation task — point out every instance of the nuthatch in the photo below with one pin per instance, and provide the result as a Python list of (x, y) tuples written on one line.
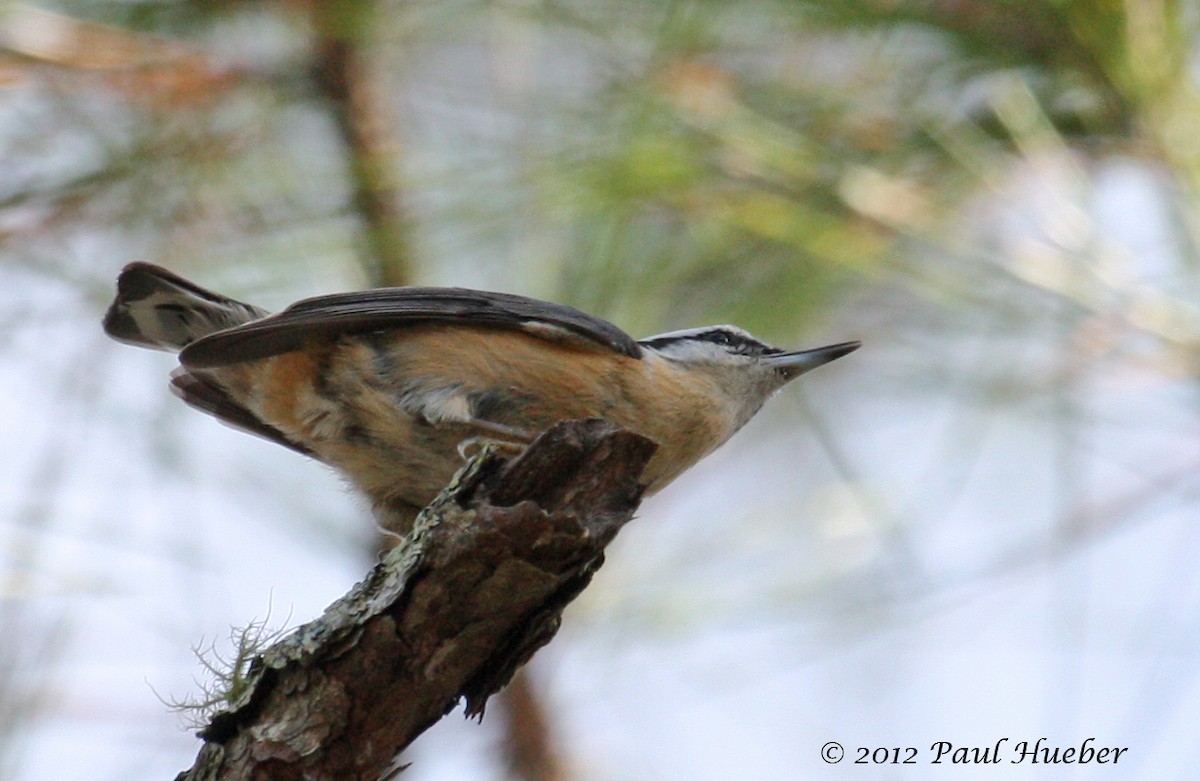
[(385, 385)]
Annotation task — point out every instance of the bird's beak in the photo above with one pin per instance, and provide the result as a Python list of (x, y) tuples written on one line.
[(792, 365)]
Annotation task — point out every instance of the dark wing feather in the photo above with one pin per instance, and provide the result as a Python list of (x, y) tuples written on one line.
[(328, 317)]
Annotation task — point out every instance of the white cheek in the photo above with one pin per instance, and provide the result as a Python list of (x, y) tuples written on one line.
[(695, 352)]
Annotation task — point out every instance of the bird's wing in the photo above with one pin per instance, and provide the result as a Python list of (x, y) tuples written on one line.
[(329, 317)]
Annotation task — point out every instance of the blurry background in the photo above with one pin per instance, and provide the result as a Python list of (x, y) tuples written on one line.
[(981, 525)]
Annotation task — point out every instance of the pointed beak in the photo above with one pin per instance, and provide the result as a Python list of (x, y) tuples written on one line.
[(792, 365)]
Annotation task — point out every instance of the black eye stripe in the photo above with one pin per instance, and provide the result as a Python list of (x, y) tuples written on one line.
[(736, 343)]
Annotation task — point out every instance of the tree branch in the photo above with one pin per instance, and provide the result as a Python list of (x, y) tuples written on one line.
[(527, 743), (475, 590), (358, 105)]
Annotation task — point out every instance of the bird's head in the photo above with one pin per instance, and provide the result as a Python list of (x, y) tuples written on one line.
[(744, 369)]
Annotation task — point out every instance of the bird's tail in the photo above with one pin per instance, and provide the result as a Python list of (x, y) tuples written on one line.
[(155, 308)]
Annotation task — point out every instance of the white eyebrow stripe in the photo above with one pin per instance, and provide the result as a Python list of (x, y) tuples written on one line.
[(688, 332)]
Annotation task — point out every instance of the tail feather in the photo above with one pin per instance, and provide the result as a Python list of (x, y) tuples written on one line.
[(155, 308), (208, 396)]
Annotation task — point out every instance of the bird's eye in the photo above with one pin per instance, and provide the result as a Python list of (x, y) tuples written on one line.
[(722, 338)]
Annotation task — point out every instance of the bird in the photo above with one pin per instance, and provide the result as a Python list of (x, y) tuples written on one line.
[(387, 385)]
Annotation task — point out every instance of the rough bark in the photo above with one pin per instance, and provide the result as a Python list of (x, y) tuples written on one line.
[(449, 615)]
